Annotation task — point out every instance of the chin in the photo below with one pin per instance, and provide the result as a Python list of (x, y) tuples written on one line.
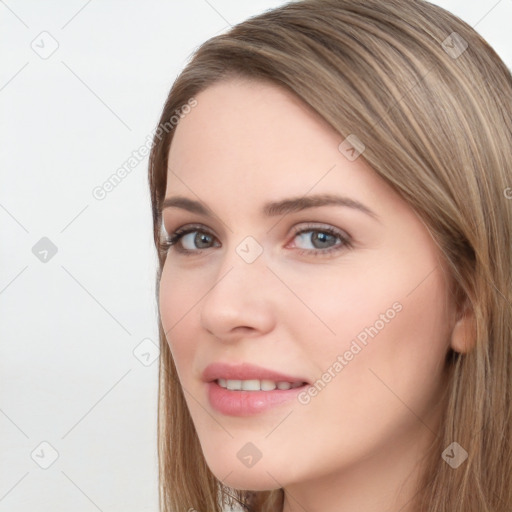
[(251, 482), (236, 476)]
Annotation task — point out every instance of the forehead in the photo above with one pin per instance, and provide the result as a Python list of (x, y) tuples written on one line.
[(243, 130), (247, 143)]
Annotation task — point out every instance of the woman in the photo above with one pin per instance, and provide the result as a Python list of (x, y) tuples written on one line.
[(333, 221)]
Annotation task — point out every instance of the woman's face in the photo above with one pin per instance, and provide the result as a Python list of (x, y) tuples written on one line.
[(348, 297)]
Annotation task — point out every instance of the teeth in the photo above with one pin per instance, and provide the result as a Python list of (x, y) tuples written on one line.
[(268, 385), (234, 384), (256, 385), (251, 385)]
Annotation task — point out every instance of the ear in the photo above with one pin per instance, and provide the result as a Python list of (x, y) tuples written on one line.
[(463, 338)]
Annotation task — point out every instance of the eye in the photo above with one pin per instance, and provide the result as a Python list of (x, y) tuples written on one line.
[(195, 240), (189, 239), (319, 240)]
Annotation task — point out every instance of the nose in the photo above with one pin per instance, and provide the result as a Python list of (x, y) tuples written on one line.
[(241, 302)]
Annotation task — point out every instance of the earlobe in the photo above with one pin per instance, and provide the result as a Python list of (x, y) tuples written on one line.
[(463, 337)]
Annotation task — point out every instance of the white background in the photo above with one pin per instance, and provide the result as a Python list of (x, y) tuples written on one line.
[(69, 326)]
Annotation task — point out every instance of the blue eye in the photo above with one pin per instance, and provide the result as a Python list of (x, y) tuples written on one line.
[(183, 236), (321, 240), (318, 239), (198, 240)]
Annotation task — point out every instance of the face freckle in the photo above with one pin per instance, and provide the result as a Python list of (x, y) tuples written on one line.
[(366, 325)]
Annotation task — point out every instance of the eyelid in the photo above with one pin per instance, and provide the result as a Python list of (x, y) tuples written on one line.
[(320, 226), (192, 225)]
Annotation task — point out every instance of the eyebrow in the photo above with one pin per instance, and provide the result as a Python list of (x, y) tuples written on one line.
[(274, 208)]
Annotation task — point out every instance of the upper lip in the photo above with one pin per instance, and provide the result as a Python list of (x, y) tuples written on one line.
[(245, 371)]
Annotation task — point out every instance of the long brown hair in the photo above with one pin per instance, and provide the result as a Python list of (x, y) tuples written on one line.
[(432, 103)]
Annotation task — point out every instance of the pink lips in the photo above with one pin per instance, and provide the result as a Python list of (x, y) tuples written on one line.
[(246, 403)]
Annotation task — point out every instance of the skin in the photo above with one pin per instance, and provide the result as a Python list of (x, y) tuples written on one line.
[(358, 444)]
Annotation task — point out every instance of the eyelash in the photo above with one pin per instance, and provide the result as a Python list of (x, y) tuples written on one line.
[(174, 238)]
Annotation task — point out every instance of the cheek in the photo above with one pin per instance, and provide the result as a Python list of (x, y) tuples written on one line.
[(365, 296), (392, 338), (346, 301), (181, 290), (178, 299), (376, 331)]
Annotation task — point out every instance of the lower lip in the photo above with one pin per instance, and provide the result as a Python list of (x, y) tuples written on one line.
[(248, 403)]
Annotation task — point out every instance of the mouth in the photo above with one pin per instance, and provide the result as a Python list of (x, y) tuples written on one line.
[(245, 389), (257, 384), (245, 398)]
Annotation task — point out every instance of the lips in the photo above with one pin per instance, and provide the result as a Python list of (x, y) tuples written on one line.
[(246, 371), (241, 402)]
